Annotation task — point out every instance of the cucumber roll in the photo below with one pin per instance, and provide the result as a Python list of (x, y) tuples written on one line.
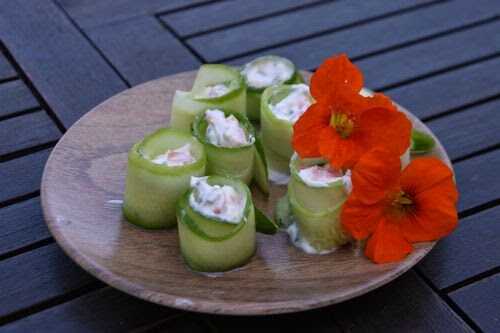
[(216, 221), (215, 86), (264, 72), (316, 194), (229, 141), (281, 107), (158, 173)]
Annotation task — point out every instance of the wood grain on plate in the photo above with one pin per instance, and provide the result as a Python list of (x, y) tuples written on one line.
[(85, 176)]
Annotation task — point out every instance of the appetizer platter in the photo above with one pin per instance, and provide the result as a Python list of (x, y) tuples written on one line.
[(245, 190)]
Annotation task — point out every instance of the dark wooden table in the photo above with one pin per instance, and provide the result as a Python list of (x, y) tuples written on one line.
[(59, 58)]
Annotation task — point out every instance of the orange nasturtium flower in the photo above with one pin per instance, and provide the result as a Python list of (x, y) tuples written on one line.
[(394, 208), (343, 125)]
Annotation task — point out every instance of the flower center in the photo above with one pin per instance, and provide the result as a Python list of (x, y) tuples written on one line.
[(342, 124), (402, 203)]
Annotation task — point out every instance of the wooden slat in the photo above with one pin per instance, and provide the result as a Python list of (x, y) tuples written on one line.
[(386, 33), (142, 50), (264, 33), (320, 320), (220, 14), (6, 69), (105, 310), (469, 131), (405, 305), (450, 90), (430, 56), (21, 224), (481, 303), (91, 13), (65, 69), (470, 250), (22, 175), (477, 180), (15, 97), (187, 322), (26, 131), (37, 276)]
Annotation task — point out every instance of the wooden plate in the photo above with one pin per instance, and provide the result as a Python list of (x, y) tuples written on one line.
[(84, 181)]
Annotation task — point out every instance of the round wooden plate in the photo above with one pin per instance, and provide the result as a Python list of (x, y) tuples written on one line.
[(82, 186)]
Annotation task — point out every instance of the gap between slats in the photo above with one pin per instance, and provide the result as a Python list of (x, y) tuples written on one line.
[(329, 31), (250, 20), (93, 286), (444, 296), (42, 103)]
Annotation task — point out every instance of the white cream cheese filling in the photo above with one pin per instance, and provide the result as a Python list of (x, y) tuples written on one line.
[(214, 91), (217, 201), (294, 105), (225, 131), (176, 157), (323, 176), (263, 74)]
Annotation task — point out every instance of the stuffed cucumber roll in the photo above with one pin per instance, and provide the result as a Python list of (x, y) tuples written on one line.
[(229, 141), (264, 72), (316, 193), (281, 107), (215, 86), (158, 173), (216, 222)]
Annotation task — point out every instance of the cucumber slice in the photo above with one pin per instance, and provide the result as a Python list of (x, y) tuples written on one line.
[(264, 72), (261, 175), (210, 245), (276, 132), (220, 86), (276, 162), (316, 199), (236, 162), (421, 142), (152, 190), (322, 230), (267, 71), (264, 224), (253, 104), (185, 108)]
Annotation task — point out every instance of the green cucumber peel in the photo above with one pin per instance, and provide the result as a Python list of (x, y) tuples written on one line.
[(297, 78), (276, 133), (296, 163), (292, 198), (421, 142), (200, 124), (184, 211), (236, 162), (264, 224), (152, 190), (261, 176), (184, 218), (158, 142), (282, 213), (213, 74), (314, 198)]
